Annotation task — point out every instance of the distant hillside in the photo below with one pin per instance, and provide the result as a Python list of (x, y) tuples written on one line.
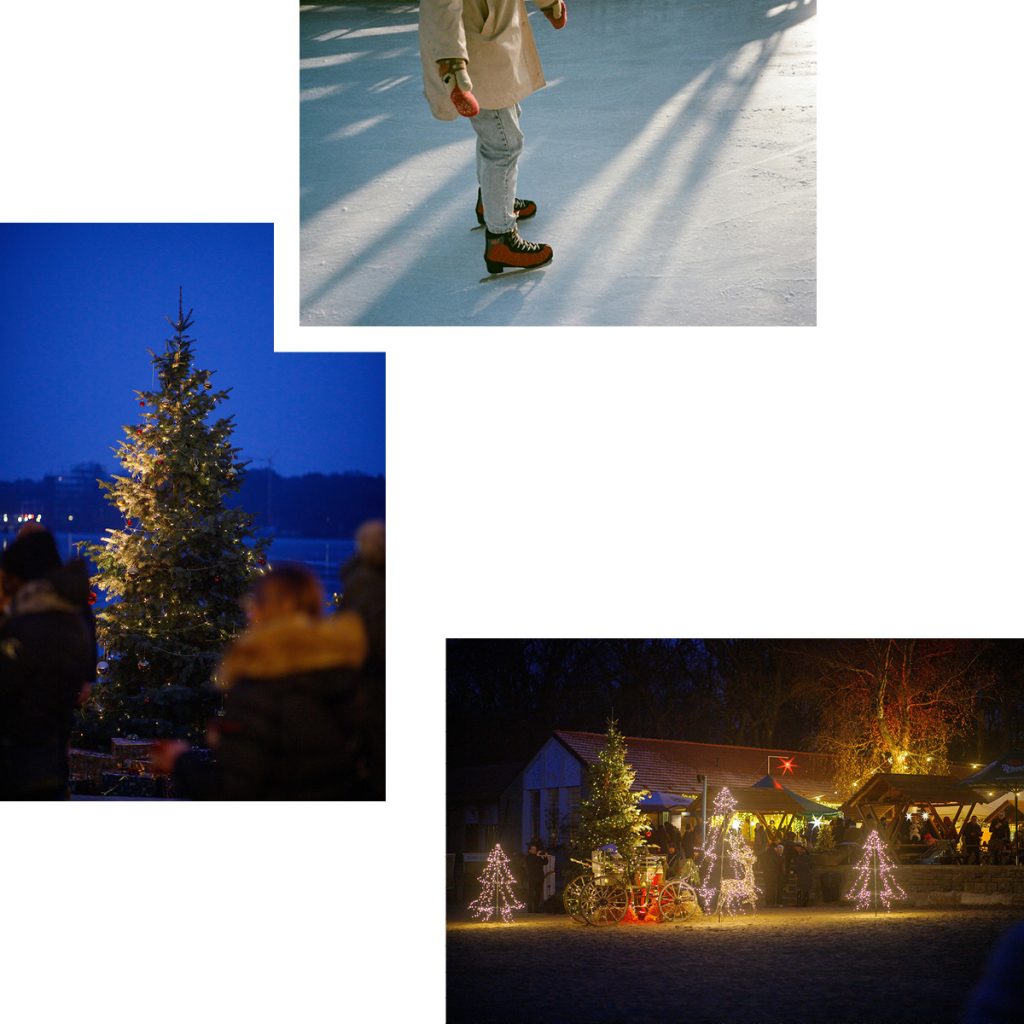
[(314, 505)]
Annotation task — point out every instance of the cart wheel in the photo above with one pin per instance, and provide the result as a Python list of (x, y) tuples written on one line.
[(606, 904), (574, 899), (677, 902)]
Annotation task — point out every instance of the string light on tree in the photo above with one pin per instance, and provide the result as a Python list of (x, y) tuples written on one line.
[(174, 575), (497, 895), (611, 813), (875, 880)]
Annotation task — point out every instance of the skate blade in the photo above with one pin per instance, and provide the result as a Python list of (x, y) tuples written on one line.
[(515, 272)]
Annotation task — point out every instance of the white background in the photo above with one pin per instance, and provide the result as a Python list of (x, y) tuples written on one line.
[(857, 478)]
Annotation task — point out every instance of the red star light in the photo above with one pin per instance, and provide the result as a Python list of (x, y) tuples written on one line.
[(788, 766)]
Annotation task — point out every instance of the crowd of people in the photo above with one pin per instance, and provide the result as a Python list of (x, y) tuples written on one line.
[(940, 841), (785, 869), (303, 691)]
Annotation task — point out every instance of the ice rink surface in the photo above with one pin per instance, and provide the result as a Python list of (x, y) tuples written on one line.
[(671, 155)]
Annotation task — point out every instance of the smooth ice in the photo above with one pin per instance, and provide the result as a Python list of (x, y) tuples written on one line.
[(672, 158)]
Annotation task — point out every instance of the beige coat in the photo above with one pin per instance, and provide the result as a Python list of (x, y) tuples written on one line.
[(494, 36)]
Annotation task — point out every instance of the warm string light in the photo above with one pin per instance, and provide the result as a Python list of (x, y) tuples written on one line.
[(875, 877), (496, 895), (728, 843), (736, 892)]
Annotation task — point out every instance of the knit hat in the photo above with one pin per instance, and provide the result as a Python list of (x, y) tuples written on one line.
[(31, 556)]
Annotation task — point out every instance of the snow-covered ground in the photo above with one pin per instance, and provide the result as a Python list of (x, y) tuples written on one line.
[(672, 158)]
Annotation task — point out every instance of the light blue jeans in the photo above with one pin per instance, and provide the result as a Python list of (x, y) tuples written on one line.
[(498, 145)]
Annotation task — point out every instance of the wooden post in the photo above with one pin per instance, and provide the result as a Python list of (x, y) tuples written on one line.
[(874, 880)]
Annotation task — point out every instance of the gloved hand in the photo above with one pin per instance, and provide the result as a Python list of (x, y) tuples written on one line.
[(557, 13), (453, 71)]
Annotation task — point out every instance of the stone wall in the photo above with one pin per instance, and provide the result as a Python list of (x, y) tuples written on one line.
[(955, 885)]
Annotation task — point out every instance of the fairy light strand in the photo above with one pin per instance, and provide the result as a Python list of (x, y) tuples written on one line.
[(496, 894), (875, 877)]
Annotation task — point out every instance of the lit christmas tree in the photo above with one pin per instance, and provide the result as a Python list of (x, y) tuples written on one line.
[(875, 877), (175, 573), (611, 814), (496, 895)]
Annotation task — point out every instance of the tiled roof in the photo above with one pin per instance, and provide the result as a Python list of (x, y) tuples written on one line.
[(673, 765)]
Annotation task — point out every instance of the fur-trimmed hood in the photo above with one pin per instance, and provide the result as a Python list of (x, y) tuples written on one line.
[(294, 645), (38, 596)]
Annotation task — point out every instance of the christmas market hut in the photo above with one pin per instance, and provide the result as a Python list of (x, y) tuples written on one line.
[(887, 800), (775, 806), (1003, 775)]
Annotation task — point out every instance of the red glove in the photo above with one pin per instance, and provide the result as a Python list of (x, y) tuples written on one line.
[(557, 13), (453, 72)]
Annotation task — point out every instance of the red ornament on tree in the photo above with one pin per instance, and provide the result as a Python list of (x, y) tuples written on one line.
[(261, 560), (139, 431), (92, 597), (128, 521), (216, 579)]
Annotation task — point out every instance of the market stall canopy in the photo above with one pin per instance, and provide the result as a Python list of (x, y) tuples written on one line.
[(889, 798), (770, 800), (809, 807), (660, 801), (887, 788), (1006, 809), (1003, 775)]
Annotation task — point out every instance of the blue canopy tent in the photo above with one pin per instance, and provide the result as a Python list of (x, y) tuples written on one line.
[(660, 801), (1003, 775)]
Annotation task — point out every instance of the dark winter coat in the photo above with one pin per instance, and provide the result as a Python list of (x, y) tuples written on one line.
[(972, 834), (535, 869), (363, 587), (802, 868), (294, 723), (46, 655), (1000, 831), (363, 592), (688, 843)]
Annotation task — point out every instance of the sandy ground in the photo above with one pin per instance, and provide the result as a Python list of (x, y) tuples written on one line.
[(672, 157), (819, 964)]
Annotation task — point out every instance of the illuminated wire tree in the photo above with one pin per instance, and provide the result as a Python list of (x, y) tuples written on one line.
[(724, 846), (875, 877), (611, 814), (175, 572), (497, 895), (740, 890)]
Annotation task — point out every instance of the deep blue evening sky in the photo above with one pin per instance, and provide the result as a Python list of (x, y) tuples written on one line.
[(83, 303)]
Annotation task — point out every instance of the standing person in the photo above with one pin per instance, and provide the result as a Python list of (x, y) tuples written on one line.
[(972, 840), (479, 60), (760, 840), (363, 593), (802, 868), (47, 660), (293, 726), (689, 841), (999, 839), (774, 877), (534, 879), (549, 875)]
